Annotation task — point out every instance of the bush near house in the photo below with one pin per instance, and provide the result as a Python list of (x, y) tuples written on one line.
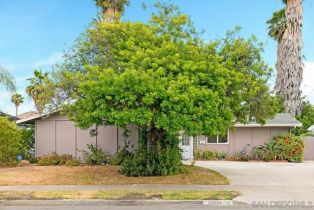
[(95, 155), (27, 146), (282, 147), (10, 138), (208, 155), (55, 159)]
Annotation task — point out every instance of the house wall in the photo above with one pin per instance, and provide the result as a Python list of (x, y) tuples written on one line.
[(242, 139), (58, 134)]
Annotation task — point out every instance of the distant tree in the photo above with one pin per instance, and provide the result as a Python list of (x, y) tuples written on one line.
[(17, 99), (37, 90), (7, 79), (111, 9), (286, 28), (306, 117)]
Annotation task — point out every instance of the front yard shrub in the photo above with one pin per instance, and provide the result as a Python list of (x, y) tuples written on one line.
[(73, 162), (208, 155), (241, 156), (282, 147), (10, 138), (291, 147), (94, 155), (54, 159), (122, 155)]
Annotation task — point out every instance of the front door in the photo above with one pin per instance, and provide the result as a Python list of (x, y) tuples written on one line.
[(186, 145)]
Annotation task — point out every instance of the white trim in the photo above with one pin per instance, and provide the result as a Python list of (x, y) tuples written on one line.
[(217, 137)]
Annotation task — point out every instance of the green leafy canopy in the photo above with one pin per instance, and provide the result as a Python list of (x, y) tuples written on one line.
[(162, 75)]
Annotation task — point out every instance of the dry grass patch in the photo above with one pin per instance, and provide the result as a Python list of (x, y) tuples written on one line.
[(122, 195), (101, 175)]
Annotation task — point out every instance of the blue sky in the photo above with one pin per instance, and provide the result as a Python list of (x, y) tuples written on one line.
[(34, 33)]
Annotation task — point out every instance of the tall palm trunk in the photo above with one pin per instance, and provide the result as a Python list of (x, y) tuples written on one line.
[(16, 111), (109, 15), (289, 65)]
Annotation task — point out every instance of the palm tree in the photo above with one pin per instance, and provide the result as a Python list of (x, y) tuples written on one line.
[(17, 99), (288, 33), (111, 9), (7, 79), (36, 89)]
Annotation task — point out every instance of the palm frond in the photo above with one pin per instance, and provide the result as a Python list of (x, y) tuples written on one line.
[(277, 25), (7, 79)]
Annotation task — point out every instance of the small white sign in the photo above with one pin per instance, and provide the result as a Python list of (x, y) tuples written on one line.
[(202, 142), (217, 203)]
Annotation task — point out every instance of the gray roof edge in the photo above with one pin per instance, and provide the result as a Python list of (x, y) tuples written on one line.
[(280, 120)]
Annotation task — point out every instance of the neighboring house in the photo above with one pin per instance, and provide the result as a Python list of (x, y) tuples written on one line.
[(10, 117), (55, 133), (311, 130), (27, 115)]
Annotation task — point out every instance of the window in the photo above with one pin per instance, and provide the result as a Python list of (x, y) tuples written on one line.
[(195, 143), (221, 139), (211, 139), (185, 141)]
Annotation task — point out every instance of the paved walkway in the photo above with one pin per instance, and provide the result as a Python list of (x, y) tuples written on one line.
[(269, 182)]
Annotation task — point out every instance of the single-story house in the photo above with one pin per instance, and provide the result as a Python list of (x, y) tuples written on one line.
[(55, 133)]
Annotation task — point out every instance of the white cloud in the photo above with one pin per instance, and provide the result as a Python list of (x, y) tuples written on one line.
[(308, 81)]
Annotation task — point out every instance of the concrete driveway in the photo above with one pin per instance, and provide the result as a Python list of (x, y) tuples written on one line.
[(268, 182)]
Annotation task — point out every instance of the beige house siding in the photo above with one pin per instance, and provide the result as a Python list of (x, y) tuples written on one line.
[(242, 139), (308, 148), (58, 134)]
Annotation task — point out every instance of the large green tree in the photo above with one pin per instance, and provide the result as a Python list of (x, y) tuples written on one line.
[(7, 79), (162, 77)]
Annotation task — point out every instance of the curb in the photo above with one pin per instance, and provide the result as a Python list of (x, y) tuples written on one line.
[(80, 202)]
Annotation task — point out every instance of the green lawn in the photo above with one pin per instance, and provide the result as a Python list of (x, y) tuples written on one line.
[(122, 195)]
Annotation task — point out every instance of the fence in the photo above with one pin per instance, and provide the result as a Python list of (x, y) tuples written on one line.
[(309, 148)]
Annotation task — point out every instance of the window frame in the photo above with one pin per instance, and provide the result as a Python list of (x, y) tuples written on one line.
[(217, 139), (181, 140)]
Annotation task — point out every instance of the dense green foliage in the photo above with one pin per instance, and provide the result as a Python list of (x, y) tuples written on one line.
[(10, 137), (94, 155), (306, 118), (27, 146), (163, 78), (161, 159), (282, 147), (55, 159)]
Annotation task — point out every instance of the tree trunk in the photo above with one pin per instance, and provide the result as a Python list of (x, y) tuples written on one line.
[(153, 136), (110, 15), (289, 66), (16, 110)]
